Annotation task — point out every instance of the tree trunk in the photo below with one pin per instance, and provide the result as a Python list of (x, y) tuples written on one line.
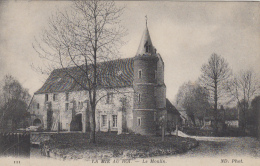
[(216, 107), (92, 126), (163, 133)]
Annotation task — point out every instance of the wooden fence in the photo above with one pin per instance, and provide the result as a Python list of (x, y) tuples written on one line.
[(15, 144)]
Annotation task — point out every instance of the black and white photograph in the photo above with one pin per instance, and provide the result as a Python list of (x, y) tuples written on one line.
[(99, 82)]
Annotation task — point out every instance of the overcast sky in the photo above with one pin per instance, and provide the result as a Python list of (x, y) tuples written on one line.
[(184, 33)]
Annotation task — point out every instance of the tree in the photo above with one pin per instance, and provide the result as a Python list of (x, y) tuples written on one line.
[(255, 107), (214, 75), (14, 101), (84, 36), (194, 99), (242, 87)]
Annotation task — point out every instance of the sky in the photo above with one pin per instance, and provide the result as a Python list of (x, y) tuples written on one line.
[(184, 33)]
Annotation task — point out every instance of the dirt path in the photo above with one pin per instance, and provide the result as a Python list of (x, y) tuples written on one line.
[(225, 146)]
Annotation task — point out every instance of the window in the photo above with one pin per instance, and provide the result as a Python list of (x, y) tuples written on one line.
[(114, 117), (104, 121), (139, 121), (80, 105), (119, 73), (67, 96), (140, 73), (139, 97), (109, 97), (155, 73), (46, 97), (66, 106), (54, 97), (147, 48), (38, 106)]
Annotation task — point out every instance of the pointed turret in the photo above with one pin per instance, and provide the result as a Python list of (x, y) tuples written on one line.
[(145, 67), (146, 45)]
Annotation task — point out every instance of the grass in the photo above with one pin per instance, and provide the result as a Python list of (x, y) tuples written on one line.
[(129, 145)]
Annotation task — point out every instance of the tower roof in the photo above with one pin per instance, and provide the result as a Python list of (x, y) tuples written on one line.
[(146, 46)]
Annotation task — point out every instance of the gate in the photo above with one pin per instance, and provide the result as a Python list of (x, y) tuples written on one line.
[(15, 144)]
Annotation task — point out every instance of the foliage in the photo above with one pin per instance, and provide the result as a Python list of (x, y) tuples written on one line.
[(87, 34), (13, 90), (254, 112), (15, 101), (231, 113), (194, 99), (171, 126)]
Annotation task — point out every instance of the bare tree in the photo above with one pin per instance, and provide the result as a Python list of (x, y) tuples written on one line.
[(87, 34), (242, 88), (214, 75)]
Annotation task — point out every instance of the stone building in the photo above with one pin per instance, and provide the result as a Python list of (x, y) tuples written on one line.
[(132, 99)]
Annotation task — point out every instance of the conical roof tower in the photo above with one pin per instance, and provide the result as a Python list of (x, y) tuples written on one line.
[(145, 67), (146, 46)]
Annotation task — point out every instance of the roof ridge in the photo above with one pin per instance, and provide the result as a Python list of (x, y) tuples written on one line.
[(71, 67)]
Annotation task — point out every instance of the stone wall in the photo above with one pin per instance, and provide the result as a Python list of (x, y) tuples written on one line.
[(160, 96), (147, 97), (160, 71), (147, 124), (79, 101)]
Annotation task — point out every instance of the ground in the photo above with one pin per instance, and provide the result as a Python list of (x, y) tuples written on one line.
[(77, 146), (225, 146), (217, 148)]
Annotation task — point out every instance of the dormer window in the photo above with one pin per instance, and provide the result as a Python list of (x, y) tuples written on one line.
[(119, 73), (147, 48)]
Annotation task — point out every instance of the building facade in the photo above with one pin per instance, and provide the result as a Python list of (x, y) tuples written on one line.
[(133, 100)]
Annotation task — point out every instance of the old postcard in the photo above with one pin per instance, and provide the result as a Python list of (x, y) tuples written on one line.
[(129, 83)]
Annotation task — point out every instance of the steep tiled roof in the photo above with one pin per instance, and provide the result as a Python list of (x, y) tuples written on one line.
[(170, 108), (116, 73)]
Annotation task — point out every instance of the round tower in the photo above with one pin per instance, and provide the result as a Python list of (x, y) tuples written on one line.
[(145, 66)]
